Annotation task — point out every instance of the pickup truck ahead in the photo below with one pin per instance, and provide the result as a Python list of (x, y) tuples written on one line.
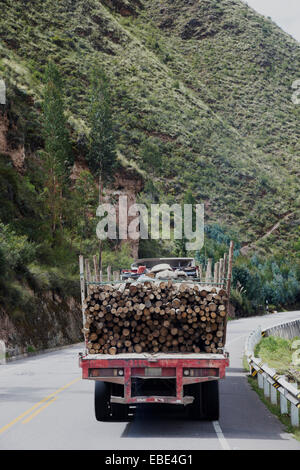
[(181, 377)]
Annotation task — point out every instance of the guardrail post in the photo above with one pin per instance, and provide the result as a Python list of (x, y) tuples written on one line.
[(260, 380), (267, 377), (294, 416), (283, 405), (2, 352), (266, 388), (273, 396)]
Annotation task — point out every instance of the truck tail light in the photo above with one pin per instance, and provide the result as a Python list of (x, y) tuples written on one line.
[(106, 372), (201, 372)]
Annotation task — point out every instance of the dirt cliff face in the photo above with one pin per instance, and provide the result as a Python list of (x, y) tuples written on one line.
[(57, 323), (128, 183)]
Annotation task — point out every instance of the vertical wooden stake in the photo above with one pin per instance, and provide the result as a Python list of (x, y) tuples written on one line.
[(229, 272), (108, 273), (208, 272), (82, 287), (88, 273), (216, 273), (225, 263), (82, 283), (219, 275), (222, 282), (200, 272), (228, 287), (96, 268)]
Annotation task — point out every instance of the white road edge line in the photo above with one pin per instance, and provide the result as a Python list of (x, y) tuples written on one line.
[(221, 437)]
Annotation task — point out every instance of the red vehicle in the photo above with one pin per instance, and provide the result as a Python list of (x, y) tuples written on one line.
[(188, 379), (177, 379)]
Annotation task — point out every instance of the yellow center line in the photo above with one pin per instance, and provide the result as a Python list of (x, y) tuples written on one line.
[(38, 411), (16, 420)]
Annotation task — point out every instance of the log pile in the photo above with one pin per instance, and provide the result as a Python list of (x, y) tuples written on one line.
[(153, 317)]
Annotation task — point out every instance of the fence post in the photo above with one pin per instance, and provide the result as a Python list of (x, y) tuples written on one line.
[(208, 277), (216, 273), (294, 415), (266, 388), (273, 396), (96, 271), (229, 271), (221, 272), (260, 380), (82, 286), (108, 273), (283, 405), (200, 272)]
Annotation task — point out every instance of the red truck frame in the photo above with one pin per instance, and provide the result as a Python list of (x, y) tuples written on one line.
[(184, 370), (174, 378)]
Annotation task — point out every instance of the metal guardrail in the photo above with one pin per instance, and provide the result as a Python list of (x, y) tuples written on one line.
[(285, 330), (270, 381)]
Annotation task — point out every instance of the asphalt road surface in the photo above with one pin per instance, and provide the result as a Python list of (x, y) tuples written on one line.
[(45, 405)]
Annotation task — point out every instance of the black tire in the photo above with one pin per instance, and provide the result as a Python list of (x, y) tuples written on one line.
[(102, 401), (195, 409), (210, 400), (119, 411)]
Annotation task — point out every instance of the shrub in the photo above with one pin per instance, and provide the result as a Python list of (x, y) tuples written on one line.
[(15, 249)]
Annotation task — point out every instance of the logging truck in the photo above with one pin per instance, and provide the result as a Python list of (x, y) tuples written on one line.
[(152, 340)]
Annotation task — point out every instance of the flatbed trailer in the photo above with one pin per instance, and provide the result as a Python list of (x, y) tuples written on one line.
[(123, 380), (174, 379)]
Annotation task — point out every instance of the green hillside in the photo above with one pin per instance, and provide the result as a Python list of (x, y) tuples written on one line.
[(201, 94)]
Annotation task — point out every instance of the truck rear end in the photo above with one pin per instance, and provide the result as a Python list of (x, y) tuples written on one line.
[(186, 375), (175, 379)]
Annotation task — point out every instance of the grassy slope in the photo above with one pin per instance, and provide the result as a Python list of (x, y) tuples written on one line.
[(218, 107), (277, 353)]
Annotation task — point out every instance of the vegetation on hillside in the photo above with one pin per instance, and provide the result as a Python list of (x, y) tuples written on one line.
[(280, 355), (191, 94)]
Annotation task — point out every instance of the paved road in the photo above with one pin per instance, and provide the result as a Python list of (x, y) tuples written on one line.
[(45, 405)]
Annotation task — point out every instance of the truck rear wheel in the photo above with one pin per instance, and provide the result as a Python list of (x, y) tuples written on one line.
[(195, 409), (102, 401), (210, 400), (119, 411)]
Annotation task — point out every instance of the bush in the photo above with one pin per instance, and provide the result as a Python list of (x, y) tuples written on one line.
[(15, 250), (151, 155)]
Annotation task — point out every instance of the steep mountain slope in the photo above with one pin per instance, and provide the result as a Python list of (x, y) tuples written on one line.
[(204, 84)]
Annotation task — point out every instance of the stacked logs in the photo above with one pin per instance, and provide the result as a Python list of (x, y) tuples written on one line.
[(155, 317)]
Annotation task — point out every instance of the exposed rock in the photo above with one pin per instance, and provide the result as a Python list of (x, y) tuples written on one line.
[(15, 151), (196, 29), (128, 183), (79, 166), (56, 321)]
